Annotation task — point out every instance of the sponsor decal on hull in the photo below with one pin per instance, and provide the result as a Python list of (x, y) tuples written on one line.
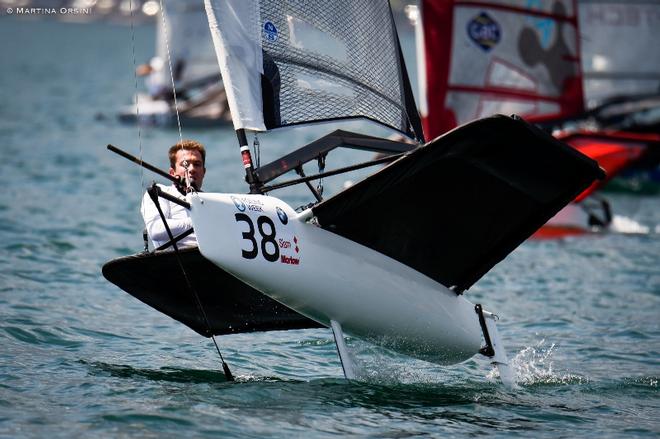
[(243, 204), (265, 236), (289, 260)]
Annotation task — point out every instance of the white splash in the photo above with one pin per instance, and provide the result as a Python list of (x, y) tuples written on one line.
[(534, 365), (623, 224)]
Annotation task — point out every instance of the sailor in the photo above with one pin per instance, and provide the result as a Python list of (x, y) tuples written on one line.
[(187, 160), (157, 85)]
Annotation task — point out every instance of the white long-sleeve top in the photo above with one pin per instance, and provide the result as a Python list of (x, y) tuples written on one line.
[(178, 219)]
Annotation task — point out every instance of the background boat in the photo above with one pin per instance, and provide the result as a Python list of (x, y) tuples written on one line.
[(184, 55), (480, 59)]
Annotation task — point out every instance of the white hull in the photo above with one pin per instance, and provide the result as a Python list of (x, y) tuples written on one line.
[(327, 277), (151, 112), (207, 108)]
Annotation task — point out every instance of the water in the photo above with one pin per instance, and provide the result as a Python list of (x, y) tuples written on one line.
[(580, 317)]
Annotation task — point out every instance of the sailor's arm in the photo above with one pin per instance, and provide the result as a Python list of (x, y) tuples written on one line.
[(154, 224)]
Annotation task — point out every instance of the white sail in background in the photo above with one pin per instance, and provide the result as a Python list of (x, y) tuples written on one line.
[(184, 29), (300, 61), (620, 49)]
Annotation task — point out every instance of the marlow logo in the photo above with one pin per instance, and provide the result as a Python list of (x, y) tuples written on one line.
[(239, 204), (484, 31)]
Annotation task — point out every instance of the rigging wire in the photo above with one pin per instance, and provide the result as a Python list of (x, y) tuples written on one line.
[(169, 63), (198, 302), (137, 96), (154, 194), (257, 150), (176, 103)]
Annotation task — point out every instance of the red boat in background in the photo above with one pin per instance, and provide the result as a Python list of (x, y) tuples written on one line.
[(614, 152), (540, 61)]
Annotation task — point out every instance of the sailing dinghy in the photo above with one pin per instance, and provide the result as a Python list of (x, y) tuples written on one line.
[(388, 259), (184, 50)]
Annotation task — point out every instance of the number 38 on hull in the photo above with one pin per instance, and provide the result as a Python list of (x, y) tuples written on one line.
[(262, 241)]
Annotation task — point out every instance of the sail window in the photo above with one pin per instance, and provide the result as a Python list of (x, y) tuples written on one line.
[(503, 74), (321, 85), (307, 37)]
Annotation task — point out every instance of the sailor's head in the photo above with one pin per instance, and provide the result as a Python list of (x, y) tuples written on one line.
[(154, 65), (188, 156)]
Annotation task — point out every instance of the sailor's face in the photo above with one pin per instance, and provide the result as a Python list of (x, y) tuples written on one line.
[(192, 161)]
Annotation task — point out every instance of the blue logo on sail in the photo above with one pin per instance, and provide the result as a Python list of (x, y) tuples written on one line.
[(484, 31), (270, 31), (282, 215)]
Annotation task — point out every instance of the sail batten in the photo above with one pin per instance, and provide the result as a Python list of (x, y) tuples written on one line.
[(287, 63)]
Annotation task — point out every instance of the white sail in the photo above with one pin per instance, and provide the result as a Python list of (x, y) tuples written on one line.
[(238, 53), (620, 50), (182, 28)]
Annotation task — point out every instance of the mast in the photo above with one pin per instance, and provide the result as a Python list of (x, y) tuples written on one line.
[(250, 176)]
